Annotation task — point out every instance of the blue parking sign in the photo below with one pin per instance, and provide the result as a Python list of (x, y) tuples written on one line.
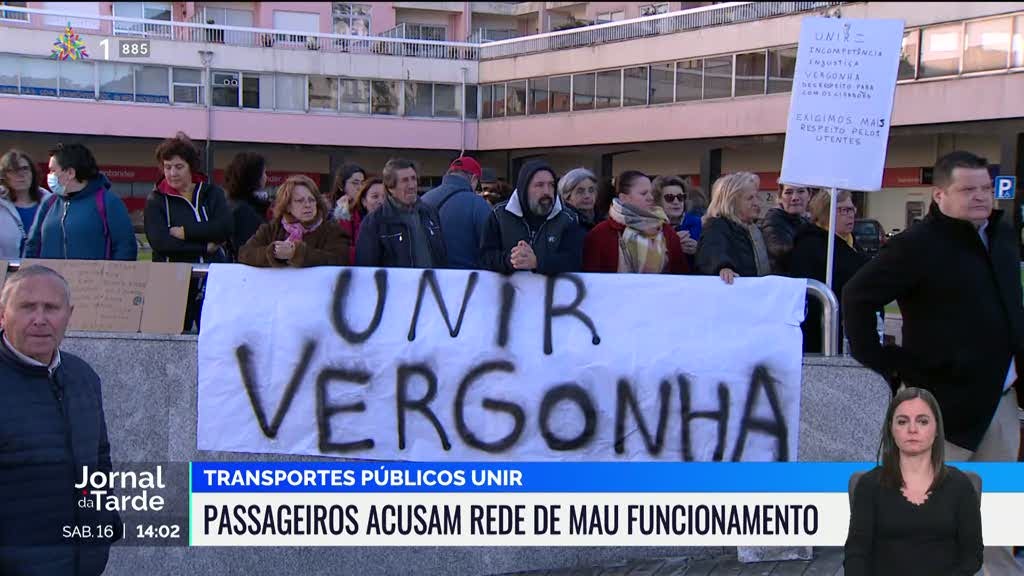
[(1005, 187)]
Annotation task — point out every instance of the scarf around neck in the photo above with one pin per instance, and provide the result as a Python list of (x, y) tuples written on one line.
[(642, 247), (296, 230)]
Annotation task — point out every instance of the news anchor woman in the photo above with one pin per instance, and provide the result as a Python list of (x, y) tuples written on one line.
[(913, 515)]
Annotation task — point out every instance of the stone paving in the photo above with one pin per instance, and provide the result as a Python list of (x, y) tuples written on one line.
[(826, 562)]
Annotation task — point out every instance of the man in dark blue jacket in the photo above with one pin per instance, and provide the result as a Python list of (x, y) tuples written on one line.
[(531, 231), (51, 426), (463, 213), (404, 232)]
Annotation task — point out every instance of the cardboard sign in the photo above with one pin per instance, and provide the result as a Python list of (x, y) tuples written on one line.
[(402, 364), (841, 104), (115, 296)]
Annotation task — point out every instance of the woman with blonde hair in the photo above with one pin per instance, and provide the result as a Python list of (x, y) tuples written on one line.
[(731, 244), (301, 233)]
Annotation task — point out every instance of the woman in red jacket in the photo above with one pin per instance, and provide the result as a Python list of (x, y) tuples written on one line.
[(636, 237)]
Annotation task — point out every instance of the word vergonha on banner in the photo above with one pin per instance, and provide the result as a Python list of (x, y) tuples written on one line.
[(426, 365), (841, 104)]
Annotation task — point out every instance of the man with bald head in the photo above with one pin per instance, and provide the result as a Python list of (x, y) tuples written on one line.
[(51, 426)]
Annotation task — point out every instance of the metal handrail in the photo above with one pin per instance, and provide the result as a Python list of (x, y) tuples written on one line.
[(173, 30), (830, 317), (829, 320), (646, 26)]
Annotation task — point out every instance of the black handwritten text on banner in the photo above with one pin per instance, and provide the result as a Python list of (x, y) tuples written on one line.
[(460, 365)]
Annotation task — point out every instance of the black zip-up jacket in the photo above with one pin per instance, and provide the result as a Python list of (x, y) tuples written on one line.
[(50, 427), (207, 218), (385, 240), (962, 316), (779, 229), (557, 241)]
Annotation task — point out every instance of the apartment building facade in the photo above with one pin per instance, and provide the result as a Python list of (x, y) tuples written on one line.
[(683, 88)]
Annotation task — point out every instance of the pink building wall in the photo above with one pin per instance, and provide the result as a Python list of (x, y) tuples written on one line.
[(956, 100), (62, 116)]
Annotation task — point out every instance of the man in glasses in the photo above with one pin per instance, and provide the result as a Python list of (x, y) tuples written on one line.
[(780, 225)]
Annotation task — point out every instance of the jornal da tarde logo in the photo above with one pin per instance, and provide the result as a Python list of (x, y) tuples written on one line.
[(135, 491)]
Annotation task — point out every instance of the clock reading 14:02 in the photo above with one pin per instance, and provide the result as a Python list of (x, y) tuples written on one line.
[(127, 48)]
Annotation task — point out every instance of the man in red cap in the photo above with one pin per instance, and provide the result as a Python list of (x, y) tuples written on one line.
[(464, 214)]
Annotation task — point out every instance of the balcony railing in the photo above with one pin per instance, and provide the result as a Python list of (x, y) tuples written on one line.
[(252, 37), (718, 15)]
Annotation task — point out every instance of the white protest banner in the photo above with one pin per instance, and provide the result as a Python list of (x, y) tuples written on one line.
[(403, 364), (842, 102)]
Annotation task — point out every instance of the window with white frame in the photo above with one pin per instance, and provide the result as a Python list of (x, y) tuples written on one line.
[(151, 84), (295, 21), (229, 17), (652, 9), (611, 16), (426, 32), (187, 86), (323, 93), (87, 8), (144, 10), (235, 89), (8, 74), (351, 19), (355, 96), (289, 92), (8, 15)]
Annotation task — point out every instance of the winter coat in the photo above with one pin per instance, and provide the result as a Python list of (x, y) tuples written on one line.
[(50, 427), (328, 245), (725, 244), (205, 219), (464, 217), (385, 240), (557, 241), (71, 226), (601, 249), (12, 230), (247, 216), (350, 227), (808, 260), (779, 229), (963, 319)]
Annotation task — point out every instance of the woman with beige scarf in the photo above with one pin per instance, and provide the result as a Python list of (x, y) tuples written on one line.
[(636, 238), (731, 244)]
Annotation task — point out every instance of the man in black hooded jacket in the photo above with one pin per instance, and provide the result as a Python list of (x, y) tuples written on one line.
[(531, 230)]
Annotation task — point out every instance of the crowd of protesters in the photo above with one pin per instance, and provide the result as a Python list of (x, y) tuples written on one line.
[(546, 223)]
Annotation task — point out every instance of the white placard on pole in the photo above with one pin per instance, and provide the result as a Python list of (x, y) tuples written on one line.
[(842, 103)]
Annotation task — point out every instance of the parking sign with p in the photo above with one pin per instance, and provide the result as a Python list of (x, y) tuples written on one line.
[(1005, 186)]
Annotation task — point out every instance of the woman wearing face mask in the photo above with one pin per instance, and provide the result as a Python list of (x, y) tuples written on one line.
[(83, 219), (730, 243), (300, 234), (19, 201), (636, 238), (913, 515), (578, 190)]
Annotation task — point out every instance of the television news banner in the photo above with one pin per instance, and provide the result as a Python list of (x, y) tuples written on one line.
[(669, 449)]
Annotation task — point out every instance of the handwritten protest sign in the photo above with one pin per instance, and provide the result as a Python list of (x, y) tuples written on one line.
[(115, 296), (841, 104), (405, 364)]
